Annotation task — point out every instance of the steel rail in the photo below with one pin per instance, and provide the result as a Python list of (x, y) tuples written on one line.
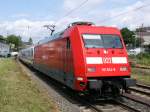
[(136, 99), (127, 107), (140, 91), (143, 86)]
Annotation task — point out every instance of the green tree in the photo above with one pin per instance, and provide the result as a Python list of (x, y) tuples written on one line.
[(16, 40), (30, 41), (148, 48), (2, 39), (139, 41), (128, 36)]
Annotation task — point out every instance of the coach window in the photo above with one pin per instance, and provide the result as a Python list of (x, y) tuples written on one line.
[(68, 43), (32, 52)]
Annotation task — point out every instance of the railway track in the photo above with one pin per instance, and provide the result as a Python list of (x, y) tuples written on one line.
[(137, 99), (69, 95), (124, 107), (142, 89), (127, 107), (91, 106), (143, 86), (84, 102), (115, 103), (142, 67), (130, 97), (133, 100)]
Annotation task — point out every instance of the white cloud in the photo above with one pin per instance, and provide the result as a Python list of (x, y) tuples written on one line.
[(71, 4), (21, 15), (131, 16), (63, 23), (79, 14), (91, 11), (25, 29)]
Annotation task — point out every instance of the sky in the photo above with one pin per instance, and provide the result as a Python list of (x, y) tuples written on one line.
[(27, 17)]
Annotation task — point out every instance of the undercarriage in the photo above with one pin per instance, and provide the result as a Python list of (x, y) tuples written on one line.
[(109, 87)]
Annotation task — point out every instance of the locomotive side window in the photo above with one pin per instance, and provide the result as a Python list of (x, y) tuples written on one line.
[(68, 43), (102, 41)]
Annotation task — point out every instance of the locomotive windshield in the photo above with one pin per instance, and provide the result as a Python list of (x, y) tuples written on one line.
[(102, 41)]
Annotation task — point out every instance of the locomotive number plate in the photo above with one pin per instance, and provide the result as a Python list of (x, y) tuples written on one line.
[(108, 69)]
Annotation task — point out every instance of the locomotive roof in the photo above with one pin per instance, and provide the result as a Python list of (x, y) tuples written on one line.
[(59, 34), (53, 37)]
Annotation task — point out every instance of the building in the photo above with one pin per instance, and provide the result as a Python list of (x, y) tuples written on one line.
[(26, 45), (143, 33), (4, 49)]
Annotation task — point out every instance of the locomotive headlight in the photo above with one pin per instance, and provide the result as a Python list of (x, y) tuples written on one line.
[(91, 69), (79, 78), (123, 68)]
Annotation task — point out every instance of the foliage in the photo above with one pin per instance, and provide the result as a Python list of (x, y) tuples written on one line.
[(148, 46), (2, 38), (128, 35), (143, 55), (139, 41), (16, 40), (30, 41), (129, 38)]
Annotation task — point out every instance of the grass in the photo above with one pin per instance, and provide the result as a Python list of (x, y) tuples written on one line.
[(18, 93), (141, 75), (142, 59)]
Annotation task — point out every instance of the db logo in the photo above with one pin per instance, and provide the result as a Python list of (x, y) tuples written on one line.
[(107, 60)]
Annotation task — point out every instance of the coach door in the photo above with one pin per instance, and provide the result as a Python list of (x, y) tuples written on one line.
[(67, 59), (68, 65)]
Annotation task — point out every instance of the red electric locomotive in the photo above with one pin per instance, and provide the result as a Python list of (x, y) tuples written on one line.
[(86, 57)]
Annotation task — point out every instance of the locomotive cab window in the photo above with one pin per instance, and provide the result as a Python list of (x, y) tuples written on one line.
[(102, 41)]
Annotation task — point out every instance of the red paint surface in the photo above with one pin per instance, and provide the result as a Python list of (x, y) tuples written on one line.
[(55, 55)]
